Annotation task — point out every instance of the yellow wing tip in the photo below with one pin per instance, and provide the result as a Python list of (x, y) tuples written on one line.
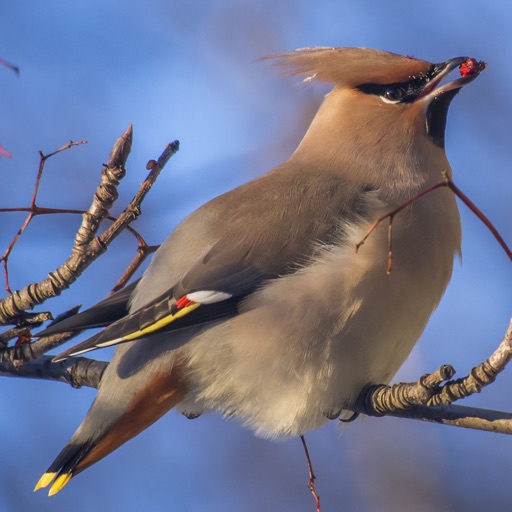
[(44, 481), (166, 320), (59, 483)]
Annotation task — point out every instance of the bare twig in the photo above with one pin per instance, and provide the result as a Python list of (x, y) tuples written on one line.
[(33, 209), (454, 415), (489, 225), (447, 182), (392, 213), (13, 307), (43, 345), (312, 477), (460, 416), (86, 249), (133, 209), (16, 69), (4, 152), (106, 193), (480, 376), (143, 252)]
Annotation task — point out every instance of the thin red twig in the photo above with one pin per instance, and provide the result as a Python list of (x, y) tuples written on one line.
[(9, 249), (16, 69), (143, 251), (312, 477), (456, 190), (32, 210), (70, 144), (42, 160), (4, 152), (398, 209), (488, 224)]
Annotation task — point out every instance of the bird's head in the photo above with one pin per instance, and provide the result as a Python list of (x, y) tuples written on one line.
[(379, 98)]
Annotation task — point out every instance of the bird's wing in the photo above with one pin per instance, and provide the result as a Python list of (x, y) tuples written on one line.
[(211, 289), (103, 313)]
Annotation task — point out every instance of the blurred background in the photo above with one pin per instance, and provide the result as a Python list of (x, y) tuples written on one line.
[(190, 70)]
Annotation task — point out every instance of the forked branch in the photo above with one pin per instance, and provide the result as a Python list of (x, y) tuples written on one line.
[(86, 249)]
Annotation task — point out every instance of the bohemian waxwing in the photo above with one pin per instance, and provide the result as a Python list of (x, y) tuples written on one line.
[(257, 305)]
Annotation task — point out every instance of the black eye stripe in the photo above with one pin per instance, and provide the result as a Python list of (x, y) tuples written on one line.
[(412, 88)]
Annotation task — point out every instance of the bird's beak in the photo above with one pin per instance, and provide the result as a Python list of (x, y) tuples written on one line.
[(469, 69)]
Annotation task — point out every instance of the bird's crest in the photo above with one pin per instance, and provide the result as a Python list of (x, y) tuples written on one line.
[(349, 67)]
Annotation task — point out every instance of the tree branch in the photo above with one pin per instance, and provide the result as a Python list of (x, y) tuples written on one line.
[(76, 371), (460, 416), (19, 359), (87, 248), (13, 307), (428, 400)]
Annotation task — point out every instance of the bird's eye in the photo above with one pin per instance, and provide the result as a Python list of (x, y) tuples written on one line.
[(394, 94)]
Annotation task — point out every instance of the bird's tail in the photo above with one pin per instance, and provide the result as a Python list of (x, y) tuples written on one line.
[(63, 467), (95, 438)]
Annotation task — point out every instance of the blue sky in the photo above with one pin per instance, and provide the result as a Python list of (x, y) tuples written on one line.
[(189, 70)]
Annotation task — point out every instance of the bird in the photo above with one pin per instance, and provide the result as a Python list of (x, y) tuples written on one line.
[(257, 305)]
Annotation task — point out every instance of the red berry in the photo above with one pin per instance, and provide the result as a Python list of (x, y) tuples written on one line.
[(471, 66)]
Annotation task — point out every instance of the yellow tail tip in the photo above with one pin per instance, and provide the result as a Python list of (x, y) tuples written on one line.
[(44, 481), (59, 483)]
